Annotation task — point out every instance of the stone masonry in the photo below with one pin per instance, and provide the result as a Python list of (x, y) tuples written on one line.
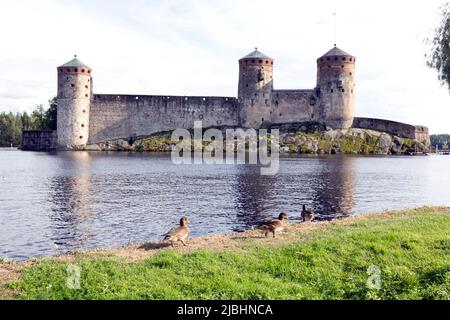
[(86, 118)]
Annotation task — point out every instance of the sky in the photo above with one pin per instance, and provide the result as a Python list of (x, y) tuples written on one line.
[(192, 47)]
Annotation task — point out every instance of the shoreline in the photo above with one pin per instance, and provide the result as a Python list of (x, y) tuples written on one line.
[(230, 243), (197, 243)]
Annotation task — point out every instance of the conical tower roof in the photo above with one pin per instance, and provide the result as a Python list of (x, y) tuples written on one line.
[(256, 55), (75, 63), (336, 52)]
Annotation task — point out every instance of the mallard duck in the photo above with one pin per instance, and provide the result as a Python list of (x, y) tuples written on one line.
[(307, 215), (274, 226), (178, 233)]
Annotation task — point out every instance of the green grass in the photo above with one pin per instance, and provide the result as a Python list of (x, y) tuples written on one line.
[(412, 249)]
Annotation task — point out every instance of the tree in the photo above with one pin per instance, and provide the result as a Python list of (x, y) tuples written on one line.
[(439, 56), (37, 118), (12, 125), (50, 116)]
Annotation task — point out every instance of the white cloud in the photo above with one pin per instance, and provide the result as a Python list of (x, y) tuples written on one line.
[(192, 47)]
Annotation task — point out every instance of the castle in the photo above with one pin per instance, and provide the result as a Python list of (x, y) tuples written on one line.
[(85, 117)]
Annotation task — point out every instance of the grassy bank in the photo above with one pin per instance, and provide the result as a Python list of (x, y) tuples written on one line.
[(308, 261)]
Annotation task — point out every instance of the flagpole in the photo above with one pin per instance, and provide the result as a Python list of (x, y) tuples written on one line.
[(335, 28)]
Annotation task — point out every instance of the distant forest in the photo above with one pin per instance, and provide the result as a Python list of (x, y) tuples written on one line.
[(440, 140), (12, 124)]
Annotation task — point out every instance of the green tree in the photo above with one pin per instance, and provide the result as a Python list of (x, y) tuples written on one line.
[(12, 125), (50, 116), (439, 56), (37, 118), (26, 121)]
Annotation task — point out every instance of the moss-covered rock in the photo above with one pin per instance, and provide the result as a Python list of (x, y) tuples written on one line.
[(345, 141)]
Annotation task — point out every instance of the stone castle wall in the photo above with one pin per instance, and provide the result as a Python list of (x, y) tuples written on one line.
[(87, 118), (293, 106), (395, 128), (34, 140), (131, 116)]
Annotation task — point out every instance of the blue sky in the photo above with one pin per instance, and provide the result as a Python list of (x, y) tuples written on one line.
[(191, 47)]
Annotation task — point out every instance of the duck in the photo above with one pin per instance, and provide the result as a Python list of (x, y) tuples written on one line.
[(275, 225), (307, 215), (179, 233)]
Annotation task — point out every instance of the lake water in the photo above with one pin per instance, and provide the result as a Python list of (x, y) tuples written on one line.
[(81, 200)]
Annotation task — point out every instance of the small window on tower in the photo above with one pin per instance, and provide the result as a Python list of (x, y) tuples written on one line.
[(76, 70), (89, 71), (332, 90), (72, 85), (86, 86), (343, 90), (253, 61), (82, 70), (84, 111), (260, 61), (82, 125), (81, 137), (86, 95)]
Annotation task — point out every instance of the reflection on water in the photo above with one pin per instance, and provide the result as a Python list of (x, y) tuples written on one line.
[(333, 187), (60, 202), (69, 196)]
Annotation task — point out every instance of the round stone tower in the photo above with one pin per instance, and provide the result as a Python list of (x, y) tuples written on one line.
[(255, 89), (336, 87), (74, 97)]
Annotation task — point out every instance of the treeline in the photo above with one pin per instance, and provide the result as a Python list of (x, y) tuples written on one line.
[(12, 124), (440, 140)]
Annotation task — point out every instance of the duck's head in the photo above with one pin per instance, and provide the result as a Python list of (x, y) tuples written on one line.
[(184, 221), (283, 216)]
